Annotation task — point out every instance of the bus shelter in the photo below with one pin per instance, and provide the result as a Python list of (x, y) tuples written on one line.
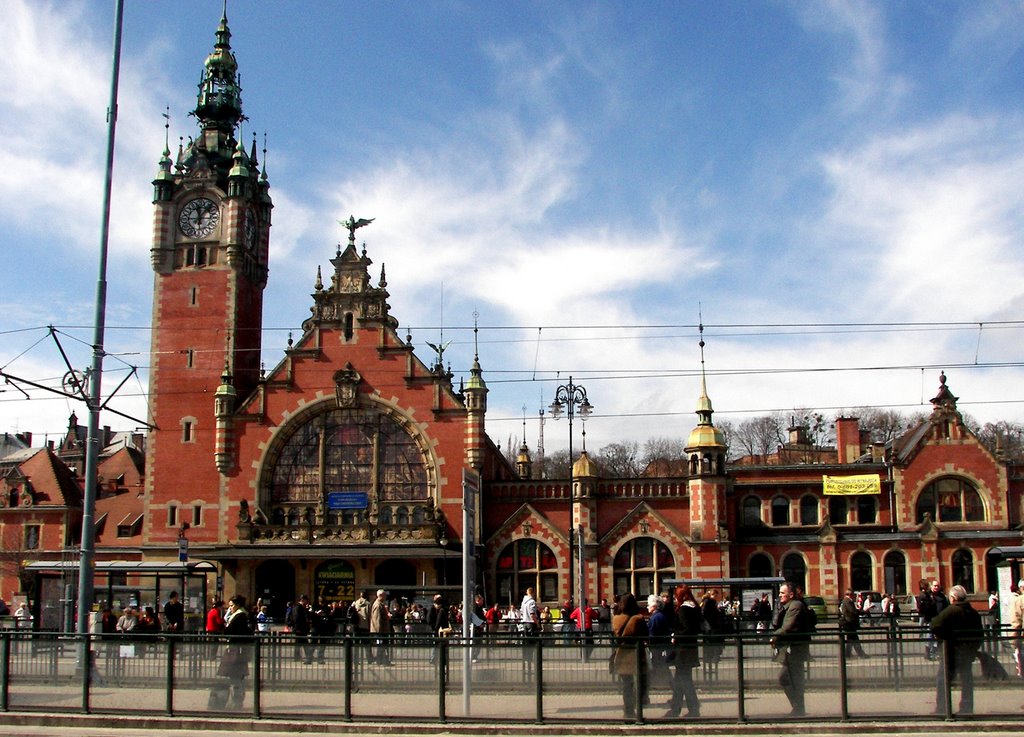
[(744, 589), (118, 584)]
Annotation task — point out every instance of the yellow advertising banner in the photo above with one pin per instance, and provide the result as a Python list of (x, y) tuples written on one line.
[(850, 485)]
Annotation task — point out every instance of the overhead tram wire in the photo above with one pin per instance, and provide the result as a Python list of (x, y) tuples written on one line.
[(760, 411), (772, 327)]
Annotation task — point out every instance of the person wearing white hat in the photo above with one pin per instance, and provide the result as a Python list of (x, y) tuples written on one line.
[(380, 625), (1017, 624)]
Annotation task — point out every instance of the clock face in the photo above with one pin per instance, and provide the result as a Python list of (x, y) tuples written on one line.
[(250, 230), (198, 218)]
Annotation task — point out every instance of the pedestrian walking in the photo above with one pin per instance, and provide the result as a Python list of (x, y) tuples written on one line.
[(791, 640)]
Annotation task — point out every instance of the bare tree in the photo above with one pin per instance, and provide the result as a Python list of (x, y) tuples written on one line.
[(884, 425), (728, 431), (760, 436), (556, 465), (1005, 437), (620, 460), (662, 449)]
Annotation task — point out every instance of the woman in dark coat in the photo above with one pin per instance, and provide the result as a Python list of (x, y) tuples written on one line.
[(686, 634), (234, 661), (630, 631)]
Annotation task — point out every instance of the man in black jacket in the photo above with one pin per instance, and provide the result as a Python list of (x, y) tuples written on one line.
[(959, 628), (849, 623), (299, 621), (791, 639), (439, 621)]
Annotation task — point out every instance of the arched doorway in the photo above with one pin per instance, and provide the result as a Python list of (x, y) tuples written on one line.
[(795, 570), (275, 584), (760, 566), (895, 567), (398, 577), (860, 571)]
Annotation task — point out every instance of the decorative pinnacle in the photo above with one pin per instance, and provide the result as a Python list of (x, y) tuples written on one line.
[(476, 330)]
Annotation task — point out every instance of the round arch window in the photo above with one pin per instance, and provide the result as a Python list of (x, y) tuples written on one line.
[(354, 451), (950, 499), (760, 566), (794, 569), (860, 571), (641, 565), (525, 564)]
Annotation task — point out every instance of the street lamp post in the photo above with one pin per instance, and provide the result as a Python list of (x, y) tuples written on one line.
[(572, 399), (444, 561)]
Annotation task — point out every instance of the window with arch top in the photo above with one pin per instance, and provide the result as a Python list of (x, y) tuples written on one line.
[(962, 564), (809, 509), (349, 450), (751, 512), (525, 564), (641, 565), (950, 499), (780, 511)]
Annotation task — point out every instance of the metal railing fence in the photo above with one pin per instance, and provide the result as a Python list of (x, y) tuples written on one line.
[(895, 673)]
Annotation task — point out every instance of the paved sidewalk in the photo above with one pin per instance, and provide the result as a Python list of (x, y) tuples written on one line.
[(39, 725)]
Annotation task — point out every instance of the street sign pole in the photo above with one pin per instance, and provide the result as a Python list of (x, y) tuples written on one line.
[(470, 494)]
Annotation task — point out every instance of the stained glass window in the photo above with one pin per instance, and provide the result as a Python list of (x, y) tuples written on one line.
[(641, 565), (349, 450), (951, 499), (523, 564)]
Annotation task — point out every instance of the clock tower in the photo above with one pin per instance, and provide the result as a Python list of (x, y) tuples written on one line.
[(210, 250)]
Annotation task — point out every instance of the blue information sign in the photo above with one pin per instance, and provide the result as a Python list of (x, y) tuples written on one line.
[(347, 500)]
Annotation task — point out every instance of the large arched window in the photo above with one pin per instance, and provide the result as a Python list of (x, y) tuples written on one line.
[(795, 570), (349, 450), (962, 563), (524, 564), (760, 566), (780, 511), (751, 512), (640, 567), (808, 509), (860, 571), (951, 499), (838, 510), (894, 567)]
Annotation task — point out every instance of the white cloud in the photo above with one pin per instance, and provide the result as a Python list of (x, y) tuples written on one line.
[(861, 70), (933, 210)]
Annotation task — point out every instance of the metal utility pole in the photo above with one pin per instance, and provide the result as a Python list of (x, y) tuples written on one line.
[(86, 560)]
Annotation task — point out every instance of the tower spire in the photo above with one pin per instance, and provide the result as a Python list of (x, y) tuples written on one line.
[(220, 92), (704, 409)]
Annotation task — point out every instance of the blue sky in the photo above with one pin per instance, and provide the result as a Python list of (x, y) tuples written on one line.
[(836, 186)]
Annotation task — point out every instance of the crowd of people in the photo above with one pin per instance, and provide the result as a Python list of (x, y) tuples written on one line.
[(662, 642), (660, 639)]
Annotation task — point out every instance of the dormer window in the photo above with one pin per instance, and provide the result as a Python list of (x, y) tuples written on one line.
[(130, 525)]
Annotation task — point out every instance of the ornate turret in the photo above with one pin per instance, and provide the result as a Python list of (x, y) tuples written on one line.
[(223, 408), (705, 448), (219, 111), (220, 93), (475, 396), (705, 454), (524, 463), (944, 401), (946, 420)]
